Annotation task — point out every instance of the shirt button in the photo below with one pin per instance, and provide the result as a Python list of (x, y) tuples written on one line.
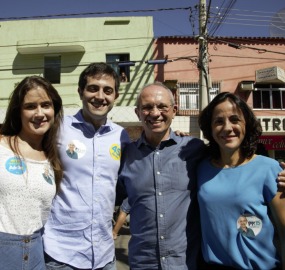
[(158, 172), (26, 257), (163, 258), (161, 215), (159, 193), (157, 153), (162, 237)]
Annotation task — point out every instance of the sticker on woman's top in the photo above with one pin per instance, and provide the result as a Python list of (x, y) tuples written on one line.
[(75, 149), (16, 165), (115, 151), (47, 175), (249, 225)]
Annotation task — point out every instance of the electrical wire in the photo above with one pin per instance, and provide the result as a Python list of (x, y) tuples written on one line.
[(248, 18), (94, 13), (224, 16), (239, 46), (217, 19)]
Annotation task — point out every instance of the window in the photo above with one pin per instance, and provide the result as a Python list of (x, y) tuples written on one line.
[(269, 98), (189, 95), (113, 59), (52, 68)]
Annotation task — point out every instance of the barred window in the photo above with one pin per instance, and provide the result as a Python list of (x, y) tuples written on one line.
[(189, 94)]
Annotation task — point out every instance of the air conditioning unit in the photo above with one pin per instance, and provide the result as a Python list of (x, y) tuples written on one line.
[(246, 86)]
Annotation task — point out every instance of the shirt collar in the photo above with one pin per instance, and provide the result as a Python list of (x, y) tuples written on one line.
[(78, 119), (173, 139)]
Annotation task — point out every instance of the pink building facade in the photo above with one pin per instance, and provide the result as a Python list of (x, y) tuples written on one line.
[(252, 68)]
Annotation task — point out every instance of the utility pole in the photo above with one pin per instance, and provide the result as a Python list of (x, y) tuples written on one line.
[(203, 57)]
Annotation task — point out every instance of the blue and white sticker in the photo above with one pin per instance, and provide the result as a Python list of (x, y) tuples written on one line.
[(249, 225), (75, 149), (16, 165)]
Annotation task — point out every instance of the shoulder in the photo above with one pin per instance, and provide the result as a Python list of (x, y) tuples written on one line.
[(266, 161), (191, 147), (193, 140), (115, 126), (266, 168), (4, 141), (205, 166), (120, 131), (68, 119), (131, 151), (186, 140), (131, 146)]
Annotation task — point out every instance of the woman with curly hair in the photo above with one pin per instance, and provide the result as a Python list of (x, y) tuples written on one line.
[(233, 182)]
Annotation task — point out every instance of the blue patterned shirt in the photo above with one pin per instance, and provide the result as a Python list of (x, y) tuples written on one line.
[(160, 183)]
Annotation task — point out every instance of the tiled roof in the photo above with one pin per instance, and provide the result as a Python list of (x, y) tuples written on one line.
[(223, 37)]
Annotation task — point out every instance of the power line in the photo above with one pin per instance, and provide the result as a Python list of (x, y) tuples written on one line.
[(223, 18), (246, 24), (95, 13), (245, 17), (252, 18), (217, 18), (73, 41), (247, 57), (239, 46), (251, 11), (191, 58)]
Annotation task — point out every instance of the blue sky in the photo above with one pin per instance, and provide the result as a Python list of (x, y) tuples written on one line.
[(247, 17)]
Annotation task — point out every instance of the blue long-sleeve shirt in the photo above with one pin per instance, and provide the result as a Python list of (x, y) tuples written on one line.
[(160, 183)]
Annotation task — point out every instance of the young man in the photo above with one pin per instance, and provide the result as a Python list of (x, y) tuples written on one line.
[(158, 174), (78, 234)]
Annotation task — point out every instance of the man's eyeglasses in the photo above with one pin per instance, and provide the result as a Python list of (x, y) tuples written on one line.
[(150, 108)]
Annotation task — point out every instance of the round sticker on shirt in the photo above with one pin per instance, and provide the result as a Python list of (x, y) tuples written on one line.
[(115, 151), (15, 165), (75, 149), (249, 225)]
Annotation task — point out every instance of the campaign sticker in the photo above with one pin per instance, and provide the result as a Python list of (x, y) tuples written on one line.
[(249, 225), (15, 165), (47, 175), (115, 151), (75, 149)]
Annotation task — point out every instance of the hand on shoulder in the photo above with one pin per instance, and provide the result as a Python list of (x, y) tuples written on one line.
[(281, 176)]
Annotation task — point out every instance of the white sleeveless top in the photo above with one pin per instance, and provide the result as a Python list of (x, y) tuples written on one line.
[(27, 188)]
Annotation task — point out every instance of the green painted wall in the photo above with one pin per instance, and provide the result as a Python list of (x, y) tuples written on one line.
[(24, 43)]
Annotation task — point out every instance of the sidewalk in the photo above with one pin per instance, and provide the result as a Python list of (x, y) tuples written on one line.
[(121, 245)]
